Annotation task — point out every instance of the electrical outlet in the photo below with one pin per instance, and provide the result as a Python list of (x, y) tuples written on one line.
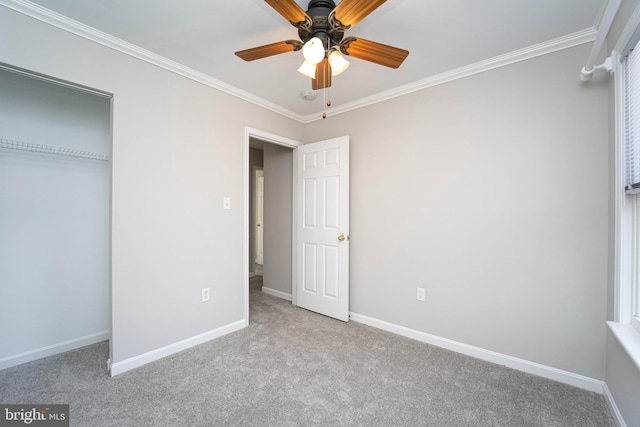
[(205, 294), (420, 295)]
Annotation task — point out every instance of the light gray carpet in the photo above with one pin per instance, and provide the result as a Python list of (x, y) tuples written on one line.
[(291, 367)]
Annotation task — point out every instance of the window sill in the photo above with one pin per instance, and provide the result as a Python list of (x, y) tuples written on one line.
[(629, 339)]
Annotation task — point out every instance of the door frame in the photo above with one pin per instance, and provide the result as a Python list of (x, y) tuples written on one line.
[(271, 138)]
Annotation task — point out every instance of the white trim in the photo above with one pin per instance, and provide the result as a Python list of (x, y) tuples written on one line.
[(50, 350), (276, 293), (271, 138), (45, 15), (620, 268), (565, 42), (294, 225), (118, 368), (245, 213), (529, 367), (615, 411)]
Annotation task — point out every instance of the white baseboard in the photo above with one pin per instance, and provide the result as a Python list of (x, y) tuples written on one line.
[(615, 411), (275, 293), (534, 368), (151, 356), (50, 350)]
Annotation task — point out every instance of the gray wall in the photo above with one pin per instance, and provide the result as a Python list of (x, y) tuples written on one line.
[(278, 194), (54, 217), (177, 152), (492, 193)]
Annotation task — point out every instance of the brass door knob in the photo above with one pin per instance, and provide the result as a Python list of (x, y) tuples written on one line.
[(258, 225), (341, 238)]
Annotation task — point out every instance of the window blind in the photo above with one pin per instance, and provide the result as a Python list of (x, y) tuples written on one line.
[(632, 119)]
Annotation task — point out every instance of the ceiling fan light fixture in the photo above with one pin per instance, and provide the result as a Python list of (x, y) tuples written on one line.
[(308, 69), (313, 50), (338, 63), (321, 38)]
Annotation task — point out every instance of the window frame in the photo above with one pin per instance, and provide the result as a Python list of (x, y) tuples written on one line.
[(627, 203)]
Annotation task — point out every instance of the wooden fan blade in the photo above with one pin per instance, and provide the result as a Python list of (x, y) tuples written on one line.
[(269, 50), (378, 53), (350, 12), (323, 75), (290, 10)]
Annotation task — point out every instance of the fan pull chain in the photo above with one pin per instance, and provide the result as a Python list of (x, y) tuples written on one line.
[(325, 103), (326, 95)]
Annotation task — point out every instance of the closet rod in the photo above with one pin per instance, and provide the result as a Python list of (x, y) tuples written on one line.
[(58, 151)]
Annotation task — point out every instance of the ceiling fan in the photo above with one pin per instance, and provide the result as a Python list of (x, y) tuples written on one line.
[(321, 30)]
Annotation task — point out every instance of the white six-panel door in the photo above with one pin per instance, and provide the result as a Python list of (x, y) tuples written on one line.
[(322, 227)]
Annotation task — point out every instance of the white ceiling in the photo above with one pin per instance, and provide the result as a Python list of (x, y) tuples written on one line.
[(441, 35)]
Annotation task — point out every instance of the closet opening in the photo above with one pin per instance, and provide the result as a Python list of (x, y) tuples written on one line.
[(55, 216)]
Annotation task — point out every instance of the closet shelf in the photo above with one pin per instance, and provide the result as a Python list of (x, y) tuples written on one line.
[(58, 151)]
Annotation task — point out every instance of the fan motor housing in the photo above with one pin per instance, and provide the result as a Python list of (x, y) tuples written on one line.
[(319, 11)]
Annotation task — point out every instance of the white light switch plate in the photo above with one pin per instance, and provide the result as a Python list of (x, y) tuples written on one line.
[(226, 203)]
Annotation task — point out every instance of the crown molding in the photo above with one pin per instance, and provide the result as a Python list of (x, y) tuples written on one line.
[(565, 42), (55, 19), (45, 15)]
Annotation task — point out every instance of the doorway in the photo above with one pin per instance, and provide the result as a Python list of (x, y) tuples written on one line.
[(309, 265), (276, 227)]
